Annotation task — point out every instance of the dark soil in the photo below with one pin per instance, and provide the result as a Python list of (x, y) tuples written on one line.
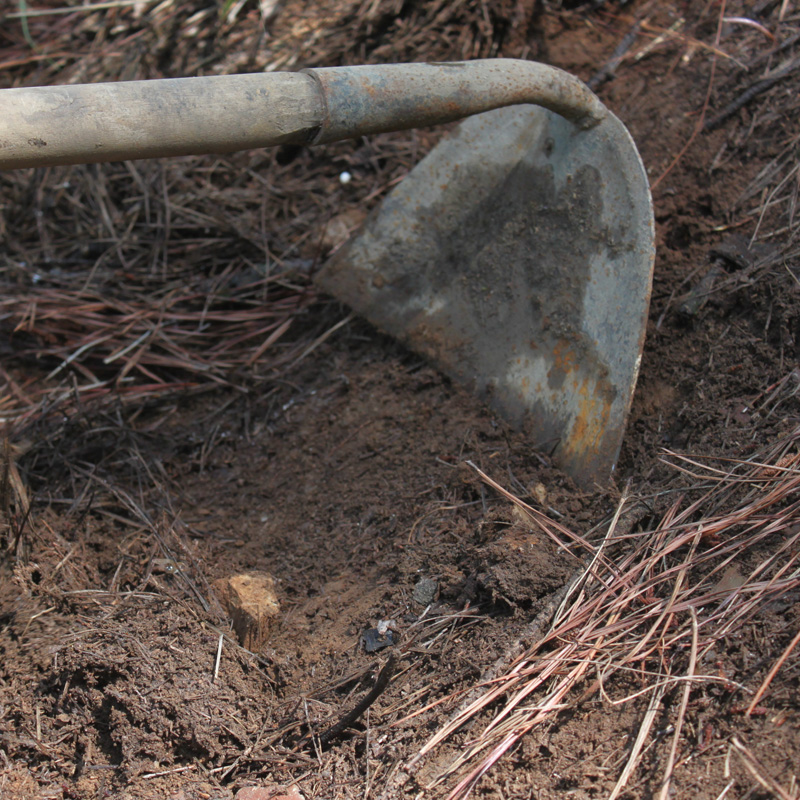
[(345, 476)]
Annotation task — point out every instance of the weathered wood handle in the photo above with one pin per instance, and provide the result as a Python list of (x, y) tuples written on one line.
[(45, 126)]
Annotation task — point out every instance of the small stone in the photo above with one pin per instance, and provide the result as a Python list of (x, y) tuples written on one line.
[(373, 639), (425, 591), (340, 228), (251, 602)]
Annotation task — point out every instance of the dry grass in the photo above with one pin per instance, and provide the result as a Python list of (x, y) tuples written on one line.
[(650, 603), (128, 282)]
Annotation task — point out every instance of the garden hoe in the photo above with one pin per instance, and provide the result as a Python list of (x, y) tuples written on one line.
[(517, 256)]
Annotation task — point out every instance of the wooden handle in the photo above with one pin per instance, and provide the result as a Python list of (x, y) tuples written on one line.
[(45, 126)]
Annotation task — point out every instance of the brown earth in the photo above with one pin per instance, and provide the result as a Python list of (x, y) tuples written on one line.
[(344, 474)]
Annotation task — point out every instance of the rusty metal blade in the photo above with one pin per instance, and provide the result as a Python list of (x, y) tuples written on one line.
[(517, 257)]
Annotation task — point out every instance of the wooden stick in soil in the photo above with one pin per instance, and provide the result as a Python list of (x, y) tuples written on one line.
[(337, 729), (771, 674), (606, 72), (753, 91)]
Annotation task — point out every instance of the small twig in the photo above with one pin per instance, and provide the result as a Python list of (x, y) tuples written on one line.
[(687, 689), (751, 23), (218, 658), (175, 771), (771, 674), (759, 772), (609, 68), (759, 87), (382, 681)]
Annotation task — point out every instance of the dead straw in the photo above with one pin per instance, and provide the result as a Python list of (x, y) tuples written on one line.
[(137, 281), (650, 606), (759, 772), (182, 339)]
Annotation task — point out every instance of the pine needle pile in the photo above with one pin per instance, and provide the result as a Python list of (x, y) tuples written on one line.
[(648, 610), (143, 279)]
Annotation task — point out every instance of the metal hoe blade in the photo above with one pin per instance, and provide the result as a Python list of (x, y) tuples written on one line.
[(517, 257)]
